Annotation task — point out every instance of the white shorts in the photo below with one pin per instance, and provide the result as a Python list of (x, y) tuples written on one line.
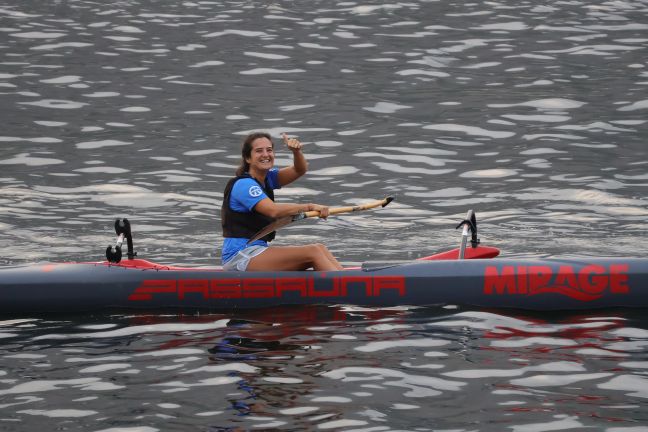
[(241, 260)]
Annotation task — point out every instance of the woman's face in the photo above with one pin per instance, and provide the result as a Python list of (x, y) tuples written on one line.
[(262, 155)]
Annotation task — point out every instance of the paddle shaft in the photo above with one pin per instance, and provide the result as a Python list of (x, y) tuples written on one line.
[(281, 222), (350, 209)]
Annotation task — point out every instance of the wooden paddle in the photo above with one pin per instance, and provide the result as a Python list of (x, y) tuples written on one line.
[(287, 220)]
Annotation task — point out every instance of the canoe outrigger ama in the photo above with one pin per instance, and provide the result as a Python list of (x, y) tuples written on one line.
[(466, 276)]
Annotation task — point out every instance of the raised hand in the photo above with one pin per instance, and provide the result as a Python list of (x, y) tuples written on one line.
[(293, 143)]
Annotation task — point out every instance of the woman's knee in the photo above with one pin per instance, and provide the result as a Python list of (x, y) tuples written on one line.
[(318, 249), (313, 251)]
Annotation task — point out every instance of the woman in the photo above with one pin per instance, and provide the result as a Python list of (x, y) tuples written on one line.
[(248, 206)]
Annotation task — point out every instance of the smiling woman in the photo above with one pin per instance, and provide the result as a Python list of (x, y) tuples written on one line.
[(248, 206)]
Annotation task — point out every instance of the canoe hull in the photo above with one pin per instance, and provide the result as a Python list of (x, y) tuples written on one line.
[(549, 284)]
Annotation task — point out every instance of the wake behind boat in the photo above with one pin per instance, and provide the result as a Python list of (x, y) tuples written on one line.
[(465, 276)]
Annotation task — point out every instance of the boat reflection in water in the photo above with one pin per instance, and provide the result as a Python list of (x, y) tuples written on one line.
[(307, 366)]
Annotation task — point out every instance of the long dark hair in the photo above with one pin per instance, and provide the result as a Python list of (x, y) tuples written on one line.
[(246, 150)]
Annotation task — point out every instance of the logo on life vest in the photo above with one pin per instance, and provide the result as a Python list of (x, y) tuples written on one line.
[(255, 191), (584, 284)]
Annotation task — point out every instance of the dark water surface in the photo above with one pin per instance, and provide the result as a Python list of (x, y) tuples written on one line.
[(533, 114), (327, 369)]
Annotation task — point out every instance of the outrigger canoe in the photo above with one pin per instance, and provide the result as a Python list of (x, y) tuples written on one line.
[(469, 276)]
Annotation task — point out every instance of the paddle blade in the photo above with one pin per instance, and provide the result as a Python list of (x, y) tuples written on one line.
[(274, 226)]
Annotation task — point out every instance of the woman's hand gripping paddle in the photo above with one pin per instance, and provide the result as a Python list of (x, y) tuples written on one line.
[(287, 220)]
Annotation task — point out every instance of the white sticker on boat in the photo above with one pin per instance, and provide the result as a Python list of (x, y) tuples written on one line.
[(255, 191)]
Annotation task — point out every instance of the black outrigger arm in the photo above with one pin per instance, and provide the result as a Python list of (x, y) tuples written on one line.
[(470, 223), (123, 230)]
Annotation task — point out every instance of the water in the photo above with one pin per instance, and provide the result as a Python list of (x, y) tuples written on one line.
[(327, 369), (532, 114)]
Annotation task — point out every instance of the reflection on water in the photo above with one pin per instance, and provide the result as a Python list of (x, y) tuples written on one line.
[(326, 368)]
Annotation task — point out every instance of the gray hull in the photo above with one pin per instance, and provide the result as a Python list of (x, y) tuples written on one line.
[(550, 284)]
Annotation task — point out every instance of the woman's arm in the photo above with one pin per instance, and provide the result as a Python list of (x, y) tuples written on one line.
[(300, 165), (269, 208)]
